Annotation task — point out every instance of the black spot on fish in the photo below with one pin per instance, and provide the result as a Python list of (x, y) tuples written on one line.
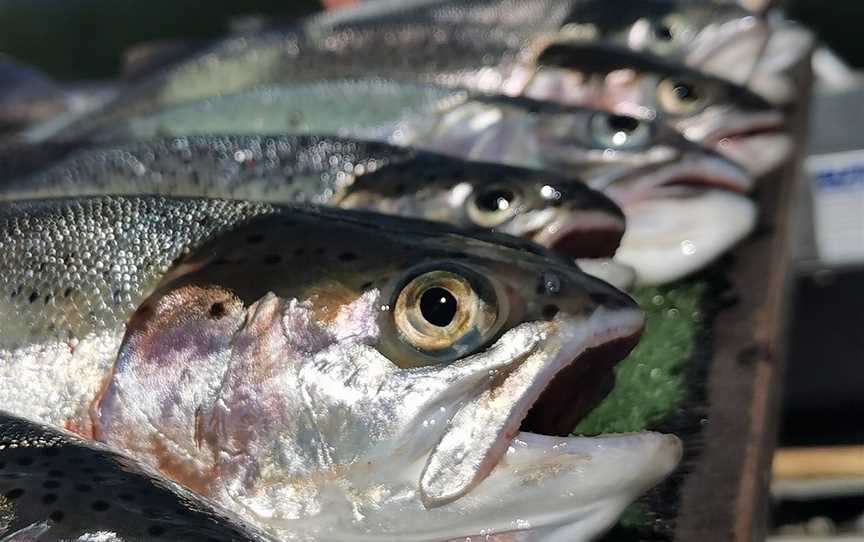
[(100, 506), (48, 298), (347, 257), (272, 259), (54, 473), (156, 530), (83, 488), (33, 297), (255, 239), (100, 479), (217, 310), (300, 252), (549, 311), (56, 516), (366, 285), (2, 465), (14, 493), (320, 250), (25, 461), (51, 484), (49, 498), (50, 452)]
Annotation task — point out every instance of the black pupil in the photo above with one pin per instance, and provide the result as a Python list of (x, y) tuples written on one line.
[(663, 32), (438, 306), (685, 92), (495, 200), (617, 123)]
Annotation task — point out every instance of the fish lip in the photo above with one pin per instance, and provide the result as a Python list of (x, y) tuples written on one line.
[(582, 234), (628, 333), (707, 170), (758, 124)]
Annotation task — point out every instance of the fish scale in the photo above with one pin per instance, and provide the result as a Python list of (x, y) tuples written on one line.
[(56, 487), (70, 275), (339, 172)]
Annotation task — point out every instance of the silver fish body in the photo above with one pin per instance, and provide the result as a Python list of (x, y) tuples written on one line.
[(484, 58), (324, 375), (631, 160), (591, 144), (558, 211), (724, 40)]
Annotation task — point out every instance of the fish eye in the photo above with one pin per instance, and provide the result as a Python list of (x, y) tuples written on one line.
[(491, 206), (618, 131), (444, 313), (679, 97)]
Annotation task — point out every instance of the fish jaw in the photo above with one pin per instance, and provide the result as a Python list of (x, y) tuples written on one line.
[(758, 141), (583, 235), (692, 167), (669, 238), (549, 489)]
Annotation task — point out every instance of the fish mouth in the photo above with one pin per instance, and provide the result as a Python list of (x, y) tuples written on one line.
[(746, 126), (564, 487), (577, 388), (550, 377), (705, 170), (583, 235)]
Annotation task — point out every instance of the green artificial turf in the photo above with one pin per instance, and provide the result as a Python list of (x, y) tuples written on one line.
[(650, 382)]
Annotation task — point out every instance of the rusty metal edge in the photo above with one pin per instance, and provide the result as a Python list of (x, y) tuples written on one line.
[(725, 497)]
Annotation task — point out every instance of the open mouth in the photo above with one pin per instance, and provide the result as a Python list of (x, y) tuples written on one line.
[(577, 389), (583, 235), (701, 173), (545, 396)]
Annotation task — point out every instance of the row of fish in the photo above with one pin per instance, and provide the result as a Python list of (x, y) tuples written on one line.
[(316, 283)]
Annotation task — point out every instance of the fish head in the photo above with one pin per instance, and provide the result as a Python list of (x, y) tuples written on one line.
[(705, 109), (370, 385), (724, 40), (629, 158), (558, 211)]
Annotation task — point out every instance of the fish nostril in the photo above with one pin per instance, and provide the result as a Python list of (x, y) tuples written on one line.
[(549, 311)]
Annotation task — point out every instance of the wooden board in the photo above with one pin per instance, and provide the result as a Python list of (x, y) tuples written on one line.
[(725, 496)]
